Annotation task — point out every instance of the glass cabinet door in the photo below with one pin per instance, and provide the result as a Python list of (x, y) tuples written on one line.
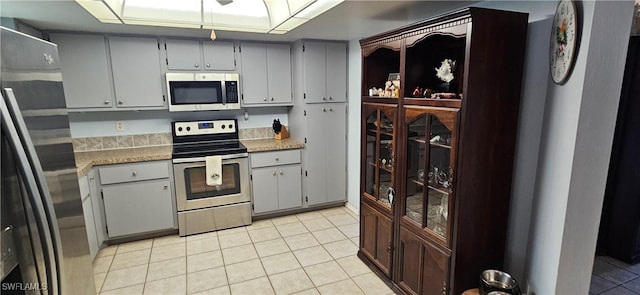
[(430, 156), (379, 150)]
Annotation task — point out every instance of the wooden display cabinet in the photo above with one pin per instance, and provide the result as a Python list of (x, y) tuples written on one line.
[(446, 157)]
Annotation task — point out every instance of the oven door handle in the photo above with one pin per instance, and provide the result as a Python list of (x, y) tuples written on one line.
[(201, 159)]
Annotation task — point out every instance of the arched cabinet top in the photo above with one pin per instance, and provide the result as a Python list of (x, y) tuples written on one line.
[(371, 48)]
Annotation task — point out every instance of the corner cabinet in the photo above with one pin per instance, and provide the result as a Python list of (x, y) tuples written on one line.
[(138, 198), (437, 161)]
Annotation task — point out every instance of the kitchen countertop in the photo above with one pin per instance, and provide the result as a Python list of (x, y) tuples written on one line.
[(271, 144), (86, 160)]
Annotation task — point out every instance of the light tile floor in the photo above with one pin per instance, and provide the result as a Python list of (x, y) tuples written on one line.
[(306, 253), (611, 276)]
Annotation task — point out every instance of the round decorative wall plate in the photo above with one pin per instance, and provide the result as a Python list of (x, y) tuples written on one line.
[(564, 33)]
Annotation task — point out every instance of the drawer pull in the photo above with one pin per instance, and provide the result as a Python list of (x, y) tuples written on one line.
[(134, 173), (274, 173), (106, 102), (196, 65), (166, 186), (277, 159), (281, 173)]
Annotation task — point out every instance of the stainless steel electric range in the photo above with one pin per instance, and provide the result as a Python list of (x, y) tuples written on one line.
[(202, 207)]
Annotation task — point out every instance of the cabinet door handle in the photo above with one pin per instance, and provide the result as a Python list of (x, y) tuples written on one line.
[(330, 97), (324, 98), (196, 65), (120, 101), (330, 109), (134, 173), (281, 173), (106, 101), (91, 178), (208, 65), (166, 186), (265, 99), (324, 110), (274, 173), (272, 99), (277, 159)]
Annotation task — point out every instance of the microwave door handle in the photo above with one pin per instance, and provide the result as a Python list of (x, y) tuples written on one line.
[(50, 242), (223, 85)]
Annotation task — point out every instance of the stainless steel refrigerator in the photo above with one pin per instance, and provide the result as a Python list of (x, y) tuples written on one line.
[(44, 239)]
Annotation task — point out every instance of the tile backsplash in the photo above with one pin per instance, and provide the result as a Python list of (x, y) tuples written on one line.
[(256, 133), (120, 142), (155, 139)]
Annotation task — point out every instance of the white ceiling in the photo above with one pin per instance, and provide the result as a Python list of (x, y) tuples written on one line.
[(353, 19)]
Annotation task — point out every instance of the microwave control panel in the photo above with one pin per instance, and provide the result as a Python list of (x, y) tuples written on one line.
[(232, 91)]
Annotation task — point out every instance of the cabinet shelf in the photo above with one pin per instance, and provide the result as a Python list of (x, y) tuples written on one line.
[(390, 170), (441, 145), (420, 183)]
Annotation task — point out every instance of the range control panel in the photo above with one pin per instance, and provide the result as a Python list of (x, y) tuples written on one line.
[(204, 127)]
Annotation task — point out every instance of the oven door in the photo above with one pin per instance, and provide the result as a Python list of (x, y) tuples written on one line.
[(192, 191)]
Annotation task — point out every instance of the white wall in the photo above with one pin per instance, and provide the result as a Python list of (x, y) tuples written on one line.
[(574, 154), (104, 123), (607, 51), (353, 123)]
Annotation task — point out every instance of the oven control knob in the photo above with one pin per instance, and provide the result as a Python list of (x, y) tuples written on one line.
[(215, 176), (230, 126), (224, 126), (179, 128), (188, 128)]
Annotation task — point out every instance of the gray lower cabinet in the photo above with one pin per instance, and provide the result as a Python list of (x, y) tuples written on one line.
[(137, 198), (89, 218), (276, 181), (324, 156), (85, 70)]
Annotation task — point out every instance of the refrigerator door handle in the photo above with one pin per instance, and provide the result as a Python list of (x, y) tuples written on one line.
[(14, 127)]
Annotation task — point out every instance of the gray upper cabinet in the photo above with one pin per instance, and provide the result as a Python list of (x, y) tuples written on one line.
[(279, 73), (136, 72), (336, 57), (325, 71), (188, 55), (266, 74), (85, 70), (183, 55), (219, 56), (254, 73)]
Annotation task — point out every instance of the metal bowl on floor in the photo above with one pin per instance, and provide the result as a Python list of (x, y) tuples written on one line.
[(494, 280)]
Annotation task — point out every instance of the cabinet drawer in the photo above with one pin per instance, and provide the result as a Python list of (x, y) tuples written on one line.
[(134, 172), (275, 158)]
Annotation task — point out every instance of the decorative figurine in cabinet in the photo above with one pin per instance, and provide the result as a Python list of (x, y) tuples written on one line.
[(437, 169)]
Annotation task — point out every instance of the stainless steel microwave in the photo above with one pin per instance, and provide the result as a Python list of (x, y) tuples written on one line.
[(203, 91)]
